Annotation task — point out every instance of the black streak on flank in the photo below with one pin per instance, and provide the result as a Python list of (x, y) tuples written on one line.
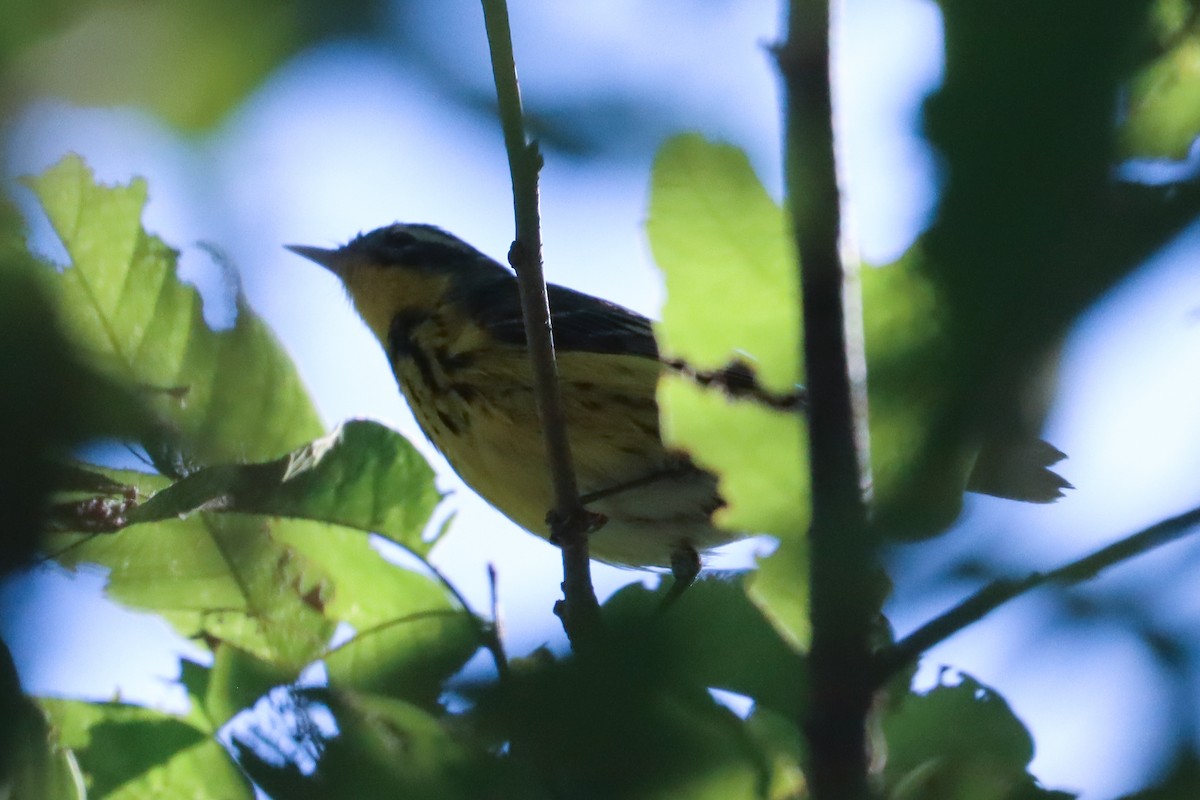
[(465, 391), (453, 362), (402, 345), (449, 422), (400, 335)]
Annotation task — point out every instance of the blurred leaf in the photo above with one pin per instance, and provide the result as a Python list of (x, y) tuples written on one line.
[(959, 742), (901, 327), (189, 61), (25, 23), (614, 724), (781, 739), (32, 764), (234, 394), (1031, 227), (362, 475), (383, 748), (1181, 783), (388, 748), (1162, 108), (714, 637), (129, 752)]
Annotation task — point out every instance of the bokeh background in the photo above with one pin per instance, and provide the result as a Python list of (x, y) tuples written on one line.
[(294, 122)]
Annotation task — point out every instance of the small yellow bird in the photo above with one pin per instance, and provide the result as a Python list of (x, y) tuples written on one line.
[(449, 319)]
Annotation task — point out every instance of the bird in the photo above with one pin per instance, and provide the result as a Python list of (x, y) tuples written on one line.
[(449, 319)]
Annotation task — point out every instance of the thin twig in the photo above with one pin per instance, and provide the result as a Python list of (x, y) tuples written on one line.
[(999, 592), (569, 522), (841, 556)]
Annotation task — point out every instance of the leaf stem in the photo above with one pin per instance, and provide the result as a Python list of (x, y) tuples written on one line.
[(841, 573), (569, 521), (1000, 591)]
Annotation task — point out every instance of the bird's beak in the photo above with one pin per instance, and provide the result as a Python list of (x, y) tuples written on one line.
[(332, 260)]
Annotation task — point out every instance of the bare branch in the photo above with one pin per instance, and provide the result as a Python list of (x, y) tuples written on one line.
[(569, 522), (843, 608), (999, 592)]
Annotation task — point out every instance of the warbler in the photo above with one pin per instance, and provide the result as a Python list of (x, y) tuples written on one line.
[(449, 319)]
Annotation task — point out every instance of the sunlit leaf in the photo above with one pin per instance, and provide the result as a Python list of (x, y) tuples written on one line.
[(221, 577), (411, 630), (733, 293), (722, 245), (130, 753), (236, 681), (233, 394), (758, 452), (780, 588)]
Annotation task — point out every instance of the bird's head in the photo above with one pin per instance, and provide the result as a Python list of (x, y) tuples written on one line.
[(403, 267)]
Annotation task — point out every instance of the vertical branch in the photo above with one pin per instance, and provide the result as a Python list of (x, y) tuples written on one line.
[(843, 609), (569, 521)]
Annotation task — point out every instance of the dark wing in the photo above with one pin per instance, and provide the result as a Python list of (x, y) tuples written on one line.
[(581, 322)]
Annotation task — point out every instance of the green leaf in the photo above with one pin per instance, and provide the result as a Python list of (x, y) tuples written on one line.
[(362, 475), (716, 233), (234, 394), (1182, 782), (758, 452), (722, 245), (129, 753), (714, 637), (189, 61), (33, 764), (51, 403), (616, 722), (780, 588), (384, 748), (409, 657), (1162, 108), (959, 742), (412, 631), (229, 578), (779, 735), (236, 681)]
